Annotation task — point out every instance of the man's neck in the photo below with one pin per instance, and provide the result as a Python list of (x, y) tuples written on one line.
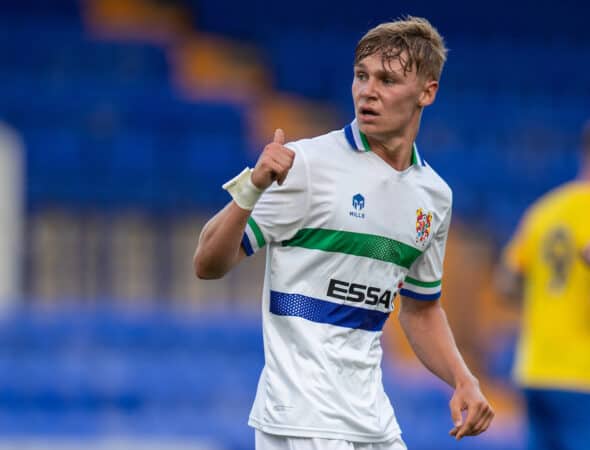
[(396, 152)]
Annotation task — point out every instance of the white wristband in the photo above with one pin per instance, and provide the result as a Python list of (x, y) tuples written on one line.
[(242, 190)]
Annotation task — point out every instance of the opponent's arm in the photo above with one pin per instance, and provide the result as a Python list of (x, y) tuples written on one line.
[(509, 283), (219, 247), (426, 327)]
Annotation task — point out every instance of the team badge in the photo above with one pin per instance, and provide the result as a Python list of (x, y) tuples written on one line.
[(423, 225)]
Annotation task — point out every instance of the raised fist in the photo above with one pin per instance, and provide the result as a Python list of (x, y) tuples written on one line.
[(274, 163)]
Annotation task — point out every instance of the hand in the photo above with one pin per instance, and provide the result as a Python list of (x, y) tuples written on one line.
[(468, 397), (274, 163)]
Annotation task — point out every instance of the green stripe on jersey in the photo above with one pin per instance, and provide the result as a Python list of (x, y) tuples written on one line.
[(257, 233), (358, 244), (426, 284), (414, 158), (365, 142)]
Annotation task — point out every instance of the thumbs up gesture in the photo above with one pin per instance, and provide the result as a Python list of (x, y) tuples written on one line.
[(274, 162)]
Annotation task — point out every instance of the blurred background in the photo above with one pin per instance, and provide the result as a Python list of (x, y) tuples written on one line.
[(120, 121)]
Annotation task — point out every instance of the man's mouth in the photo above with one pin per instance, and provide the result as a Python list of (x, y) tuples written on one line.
[(368, 112)]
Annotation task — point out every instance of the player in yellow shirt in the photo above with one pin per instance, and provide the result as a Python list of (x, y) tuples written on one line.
[(547, 264)]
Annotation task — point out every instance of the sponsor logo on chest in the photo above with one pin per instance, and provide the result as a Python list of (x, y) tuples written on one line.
[(360, 293)]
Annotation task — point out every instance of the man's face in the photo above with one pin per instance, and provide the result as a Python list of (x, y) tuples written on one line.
[(387, 101)]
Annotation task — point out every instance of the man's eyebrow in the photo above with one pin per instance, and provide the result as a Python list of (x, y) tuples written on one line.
[(380, 72), (388, 73)]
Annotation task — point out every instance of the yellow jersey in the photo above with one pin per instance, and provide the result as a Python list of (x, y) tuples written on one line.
[(554, 346)]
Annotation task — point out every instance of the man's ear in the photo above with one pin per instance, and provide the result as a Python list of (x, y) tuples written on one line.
[(428, 93)]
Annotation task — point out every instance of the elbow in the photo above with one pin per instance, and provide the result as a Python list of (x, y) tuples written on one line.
[(204, 271), (201, 273)]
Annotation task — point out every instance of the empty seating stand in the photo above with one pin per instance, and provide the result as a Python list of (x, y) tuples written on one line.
[(88, 373), (102, 126)]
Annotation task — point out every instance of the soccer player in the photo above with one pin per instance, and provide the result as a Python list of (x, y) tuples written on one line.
[(547, 264), (350, 220)]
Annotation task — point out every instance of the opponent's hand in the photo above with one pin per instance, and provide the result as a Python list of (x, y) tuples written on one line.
[(274, 163), (479, 412)]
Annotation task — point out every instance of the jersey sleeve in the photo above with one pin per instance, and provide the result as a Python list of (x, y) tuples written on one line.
[(280, 210), (423, 281), (515, 254)]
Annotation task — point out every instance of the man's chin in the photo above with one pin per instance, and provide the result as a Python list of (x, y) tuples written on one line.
[(368, 126)]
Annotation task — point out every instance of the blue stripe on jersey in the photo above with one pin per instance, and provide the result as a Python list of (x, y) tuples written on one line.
[(416, 296), (321, 311), (349, 136), (246, 245)]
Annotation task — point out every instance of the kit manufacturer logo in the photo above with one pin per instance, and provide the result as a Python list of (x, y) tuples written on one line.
[(358, 204)]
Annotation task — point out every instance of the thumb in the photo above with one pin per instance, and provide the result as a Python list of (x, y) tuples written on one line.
[(279, 137), (456, 414)]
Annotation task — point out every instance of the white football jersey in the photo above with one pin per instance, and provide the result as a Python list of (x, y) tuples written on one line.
[(344, 234)]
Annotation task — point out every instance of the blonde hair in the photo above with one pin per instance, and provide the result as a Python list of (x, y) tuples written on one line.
[(413, 41)]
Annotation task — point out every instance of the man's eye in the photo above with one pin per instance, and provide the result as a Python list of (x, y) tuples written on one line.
[(389, 81), (361, 75)]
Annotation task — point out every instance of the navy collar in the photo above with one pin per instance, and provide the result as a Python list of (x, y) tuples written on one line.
[(358, 141)]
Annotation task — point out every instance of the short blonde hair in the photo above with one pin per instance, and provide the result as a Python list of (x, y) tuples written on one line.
[(411, 40)]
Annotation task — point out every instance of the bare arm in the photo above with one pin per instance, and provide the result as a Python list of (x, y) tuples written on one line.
[(509, 283), (219, 248), (426, 327)]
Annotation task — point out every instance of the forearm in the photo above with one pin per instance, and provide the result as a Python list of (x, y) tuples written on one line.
[(219, 246), (431, 339)]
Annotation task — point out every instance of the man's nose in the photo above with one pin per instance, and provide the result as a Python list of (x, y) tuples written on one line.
[(369, 88)]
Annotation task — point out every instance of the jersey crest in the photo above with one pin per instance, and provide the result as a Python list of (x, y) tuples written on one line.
[(423, 225)]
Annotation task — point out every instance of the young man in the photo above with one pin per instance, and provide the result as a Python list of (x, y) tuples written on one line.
[(355, 217), (547, 264)]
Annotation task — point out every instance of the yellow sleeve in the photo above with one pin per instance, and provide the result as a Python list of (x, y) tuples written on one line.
[(517, 253)]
